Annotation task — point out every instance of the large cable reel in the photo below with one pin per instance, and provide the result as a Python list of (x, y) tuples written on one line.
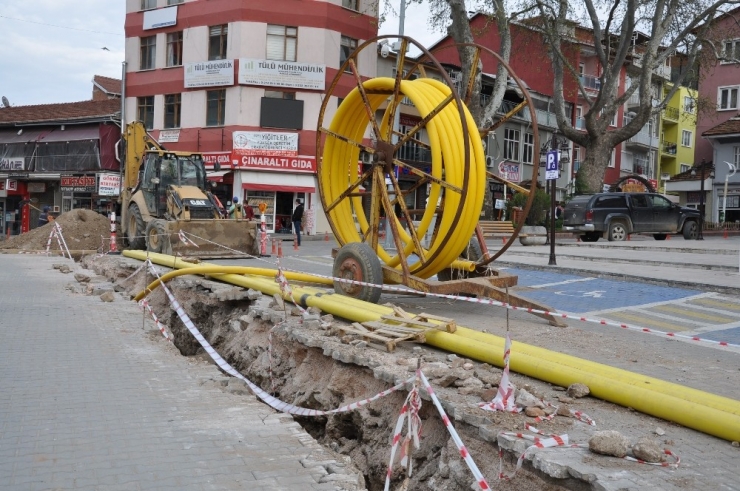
[(355, 199)]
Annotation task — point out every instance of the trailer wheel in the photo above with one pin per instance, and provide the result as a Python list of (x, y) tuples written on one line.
[(156, 235), (136, 228), (358, 262), (471, 253)]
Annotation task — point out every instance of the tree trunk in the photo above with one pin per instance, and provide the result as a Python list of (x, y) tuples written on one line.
[(593, 167)]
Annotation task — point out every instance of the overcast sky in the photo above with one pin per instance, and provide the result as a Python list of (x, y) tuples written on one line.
[(51, 49)]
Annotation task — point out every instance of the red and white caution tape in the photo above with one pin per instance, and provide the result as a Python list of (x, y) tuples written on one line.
[(185, 240), (482, 483), (409, 412), (504, 400), (144, 304)]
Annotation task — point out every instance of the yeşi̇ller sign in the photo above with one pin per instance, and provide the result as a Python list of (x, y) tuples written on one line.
[(286, 74)]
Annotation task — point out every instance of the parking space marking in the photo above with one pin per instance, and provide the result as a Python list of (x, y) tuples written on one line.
[(688, 312), (680, 320), (716, 302), (644, 320), (565, 282)]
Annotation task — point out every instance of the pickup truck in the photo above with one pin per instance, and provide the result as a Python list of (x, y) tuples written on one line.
[(617, 215)]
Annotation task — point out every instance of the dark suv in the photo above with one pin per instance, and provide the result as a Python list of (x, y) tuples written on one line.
[(619, 214)]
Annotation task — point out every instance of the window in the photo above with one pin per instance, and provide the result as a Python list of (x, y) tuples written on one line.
[(639, 201), (215, 107), (736, 151), (351, 4), (174, 49), (274, 94), (172, 104), (346, 49), (731, 51), (686, 138), (217, 42), (613, 158), (174, 2), (727, 98), (147, 52), (281, 43), (148, 4), (610, 202), (688, 104), (511, 144), (528, 153), (145, 111), (685, 168)]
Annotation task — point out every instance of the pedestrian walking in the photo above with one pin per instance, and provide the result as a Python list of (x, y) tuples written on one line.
[(235, 210), (296, 218)]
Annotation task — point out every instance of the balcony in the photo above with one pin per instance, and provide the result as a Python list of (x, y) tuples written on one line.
[(590, 82), (634, 100), (662, 71), (544, 118), (670, 114), (413, 152), (668, 148), (642, 138)]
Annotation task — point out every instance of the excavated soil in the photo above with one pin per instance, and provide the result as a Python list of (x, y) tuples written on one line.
[(315, 367), (82, 229)]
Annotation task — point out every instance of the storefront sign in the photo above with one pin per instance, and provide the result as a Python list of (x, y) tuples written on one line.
[(209, 73), (158, 18), (78, 183), (36, 187), (265, 143), (300, 163), (11, 185), (109, 184), (211, 158), (509, 171), (282, 74), (12, 164), (169, 136)]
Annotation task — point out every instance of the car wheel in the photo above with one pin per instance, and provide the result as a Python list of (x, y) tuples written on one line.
[(591, 237), (659, 236), (617, 232), (690, 230)]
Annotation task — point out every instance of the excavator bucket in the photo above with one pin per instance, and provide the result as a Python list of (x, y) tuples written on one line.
[(209, 239)]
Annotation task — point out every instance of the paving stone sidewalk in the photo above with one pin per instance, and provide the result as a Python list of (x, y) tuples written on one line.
[(90, 401)]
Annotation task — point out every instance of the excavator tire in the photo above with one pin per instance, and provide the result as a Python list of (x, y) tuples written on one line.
[(157, 236), (136, 229)]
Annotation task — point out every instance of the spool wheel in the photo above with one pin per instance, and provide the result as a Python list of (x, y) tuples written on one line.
[(357, 262), (422, 239)]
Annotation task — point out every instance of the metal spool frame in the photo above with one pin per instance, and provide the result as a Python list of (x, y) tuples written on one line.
[(478, 278)]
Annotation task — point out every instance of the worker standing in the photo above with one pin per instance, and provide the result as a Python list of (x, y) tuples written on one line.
[(44, 216), (235, 210), (296, 218)]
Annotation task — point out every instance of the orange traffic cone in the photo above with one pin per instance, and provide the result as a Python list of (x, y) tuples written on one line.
[(274, 247), (503, 240), (295, 243), (725, 235), (326, 237), (280, 248), (668, 237), (629, 237)]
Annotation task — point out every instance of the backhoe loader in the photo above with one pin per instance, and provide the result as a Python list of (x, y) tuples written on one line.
[(166, 205)]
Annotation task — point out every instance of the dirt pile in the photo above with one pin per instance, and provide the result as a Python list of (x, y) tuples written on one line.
[(82, 230)]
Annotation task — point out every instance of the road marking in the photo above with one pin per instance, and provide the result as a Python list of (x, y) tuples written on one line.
[(564, 282), (732, 315), (716, 302), (722, 327), (651, 323), (596, 313), (671, 318), (687, 312)]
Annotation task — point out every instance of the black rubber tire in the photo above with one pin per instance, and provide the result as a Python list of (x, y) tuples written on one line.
[(617, 232), (690, 230), (472, 253), (357, 261), (156, 235), (591, 237), (660, 236), (136, 228)]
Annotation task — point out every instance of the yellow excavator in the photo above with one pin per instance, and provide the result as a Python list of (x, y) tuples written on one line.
[(166, 205)]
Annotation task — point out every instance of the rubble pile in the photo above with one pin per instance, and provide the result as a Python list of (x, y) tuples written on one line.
[(82, 230)]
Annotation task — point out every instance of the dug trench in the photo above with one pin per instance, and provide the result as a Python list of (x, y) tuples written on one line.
[(314, 366)]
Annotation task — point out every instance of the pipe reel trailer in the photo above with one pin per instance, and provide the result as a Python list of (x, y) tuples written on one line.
[(444, 237)]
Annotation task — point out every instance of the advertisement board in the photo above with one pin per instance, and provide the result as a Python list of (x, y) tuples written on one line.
[(78, 183), (209, 73), (169, 136), (510, 171), (109, 184), (12, 163), (286, 74), (265, 143)]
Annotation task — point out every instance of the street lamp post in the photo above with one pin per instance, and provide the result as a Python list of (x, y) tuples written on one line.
[(701, 197), (733, 169)]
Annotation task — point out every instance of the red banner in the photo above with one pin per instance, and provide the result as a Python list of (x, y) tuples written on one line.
[(300, 163)]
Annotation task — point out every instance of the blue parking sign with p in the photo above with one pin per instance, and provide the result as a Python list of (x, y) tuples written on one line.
[(551, 165)]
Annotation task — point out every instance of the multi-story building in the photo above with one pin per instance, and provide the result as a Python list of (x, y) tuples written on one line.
[(59, 155), (243, 82), (677, 133)]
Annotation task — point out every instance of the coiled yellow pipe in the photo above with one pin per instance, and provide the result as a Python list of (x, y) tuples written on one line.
[(702, 411), (445, 132)]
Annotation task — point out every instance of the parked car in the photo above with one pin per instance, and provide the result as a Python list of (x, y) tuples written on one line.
[(618, 215)]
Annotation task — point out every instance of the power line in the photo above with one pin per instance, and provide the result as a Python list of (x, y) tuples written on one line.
[(60, 27)]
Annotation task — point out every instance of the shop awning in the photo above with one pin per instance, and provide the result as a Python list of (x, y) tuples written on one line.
[(278, 187), (217, 176), (72, 134)]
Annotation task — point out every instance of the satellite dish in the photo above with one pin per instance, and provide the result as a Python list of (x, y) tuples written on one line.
[(6, 102)]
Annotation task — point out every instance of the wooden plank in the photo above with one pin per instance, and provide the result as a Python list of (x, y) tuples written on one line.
[(414, 322)]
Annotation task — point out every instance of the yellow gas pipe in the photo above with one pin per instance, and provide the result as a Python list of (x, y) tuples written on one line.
[(709, 413)]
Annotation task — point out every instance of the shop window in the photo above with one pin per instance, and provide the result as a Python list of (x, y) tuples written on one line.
[(216, 107), (174, 49), (145, 111), (217, 42), (282, 42), (147, 52), (348, 45), (172, 104)]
